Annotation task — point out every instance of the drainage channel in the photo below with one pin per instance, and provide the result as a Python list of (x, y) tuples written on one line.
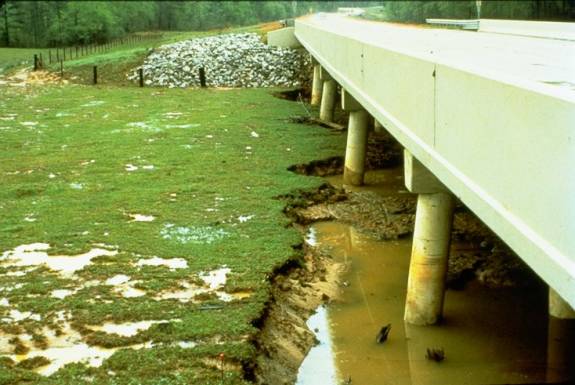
[(488, 336)]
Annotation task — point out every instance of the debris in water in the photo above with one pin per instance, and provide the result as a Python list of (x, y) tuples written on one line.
[(383, 333), (435, 354)]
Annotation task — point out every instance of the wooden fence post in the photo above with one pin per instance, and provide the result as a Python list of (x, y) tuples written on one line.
[(202, 77), (141, 73), (95, 69)]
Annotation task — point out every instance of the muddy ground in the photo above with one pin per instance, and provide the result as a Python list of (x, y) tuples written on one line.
[(476, 254)]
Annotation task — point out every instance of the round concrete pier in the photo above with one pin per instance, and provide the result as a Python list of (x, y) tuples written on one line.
[(328, 100), (316, 86), (354, 170), (428, 266)]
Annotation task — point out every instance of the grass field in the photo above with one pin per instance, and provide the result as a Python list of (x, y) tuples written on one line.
[(82, 166)]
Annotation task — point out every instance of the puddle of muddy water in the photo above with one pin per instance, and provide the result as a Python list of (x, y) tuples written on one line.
[(485, 335), (386, 182), (319, 365), (37, 254), (67, 345)]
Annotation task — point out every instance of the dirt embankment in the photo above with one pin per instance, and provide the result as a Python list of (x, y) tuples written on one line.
[(476, 254)]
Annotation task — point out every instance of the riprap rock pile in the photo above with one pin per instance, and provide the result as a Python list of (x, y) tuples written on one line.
[(232, 60)]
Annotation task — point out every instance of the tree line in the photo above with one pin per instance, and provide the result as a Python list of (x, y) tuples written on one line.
[(418, 11), (61, 23), (74, 22)]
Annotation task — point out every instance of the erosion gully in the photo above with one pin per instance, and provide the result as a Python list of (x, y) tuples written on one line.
[(489, 336)]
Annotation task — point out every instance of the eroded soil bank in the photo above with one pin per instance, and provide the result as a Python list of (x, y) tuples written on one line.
[(484, 274)]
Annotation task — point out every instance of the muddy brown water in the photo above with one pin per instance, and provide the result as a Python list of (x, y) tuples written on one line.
[(489, 336)]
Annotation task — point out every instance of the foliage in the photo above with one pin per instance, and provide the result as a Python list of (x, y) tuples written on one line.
[(418, 11), (58, 23)]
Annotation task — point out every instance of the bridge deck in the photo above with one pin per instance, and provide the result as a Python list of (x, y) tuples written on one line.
[(491, 115)]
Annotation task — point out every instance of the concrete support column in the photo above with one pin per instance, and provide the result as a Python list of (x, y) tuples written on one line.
[(327, 100), (430, 250), (357, 132), (317, 85), (428, 266), (356, 148)]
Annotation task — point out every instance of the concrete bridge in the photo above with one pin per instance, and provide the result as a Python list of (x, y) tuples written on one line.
[(486, 117)]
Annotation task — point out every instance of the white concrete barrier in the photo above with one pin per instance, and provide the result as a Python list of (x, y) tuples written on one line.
[(284, 38), (546, 29)]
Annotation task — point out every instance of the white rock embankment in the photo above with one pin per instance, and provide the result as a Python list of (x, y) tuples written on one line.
[(231, 60)]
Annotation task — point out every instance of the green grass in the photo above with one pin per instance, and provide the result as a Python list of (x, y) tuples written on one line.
[(17, 57), (205, 177)]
